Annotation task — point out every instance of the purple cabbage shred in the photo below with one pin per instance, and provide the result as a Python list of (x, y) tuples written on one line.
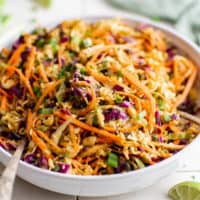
[(11, 147), (118, 88), (62, 61), (157, 117), (174, 117), (64, 39), (65, 111), (127, 39), (30, 158), (125, 104), (44, 162), (46, 63), (63, 168), (15, 90), (114, 114), (160, 139)]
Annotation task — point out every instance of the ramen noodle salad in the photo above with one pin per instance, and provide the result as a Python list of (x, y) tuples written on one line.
[(94, 99)]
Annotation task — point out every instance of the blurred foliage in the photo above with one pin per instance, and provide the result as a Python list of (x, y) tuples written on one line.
[(43, 3), (4, 19), (1, 3)]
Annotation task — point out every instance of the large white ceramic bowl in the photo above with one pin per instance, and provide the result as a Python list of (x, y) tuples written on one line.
[(107, 184)]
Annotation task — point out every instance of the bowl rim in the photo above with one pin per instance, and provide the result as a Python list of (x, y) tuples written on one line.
[(129, 18)]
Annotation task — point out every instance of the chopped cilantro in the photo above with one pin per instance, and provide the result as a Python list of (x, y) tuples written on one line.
[(43, 128), (118, 98), (139, 163), (76, 39), (71, 68), (103, 66), (167, 118), (45, 111), (119, 74), (56, 168), (88, 33), (37, 92), (61, 74), (40, 43), (72, 54), (54, 44), (161, 104), (141, 115), (83, 71), (112, 160), (66, 71), (95, 121), (39, 31), (86, 43)]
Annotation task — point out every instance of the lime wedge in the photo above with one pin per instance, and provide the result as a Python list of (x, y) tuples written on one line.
[(188, 190)]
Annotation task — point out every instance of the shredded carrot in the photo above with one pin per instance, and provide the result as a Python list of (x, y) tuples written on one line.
[(3, 92), (102, 78), (56, 136), (29, 123), (176, 142), (15, 60), (27, 39), (29, 65), (134, 83), (89, 90), (104, 140), (5, 51), (50, 87), (92, 103), (73, 137), (124, 130), (110, 129), (15, 56), (39, 142), (168, 146), (96, 50), (60, 52), (182, 69), (137, 84), (42, 73), (26, 82), (100, 132), (134, 98), (4, 105), (52, 145), (182, 97)]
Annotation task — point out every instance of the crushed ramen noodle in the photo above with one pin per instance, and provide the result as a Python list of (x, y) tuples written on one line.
[(96, 98)]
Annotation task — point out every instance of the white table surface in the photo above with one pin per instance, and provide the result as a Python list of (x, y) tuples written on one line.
[(22, 13)]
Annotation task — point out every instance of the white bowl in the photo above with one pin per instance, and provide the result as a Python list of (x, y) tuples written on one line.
[(107, 184)]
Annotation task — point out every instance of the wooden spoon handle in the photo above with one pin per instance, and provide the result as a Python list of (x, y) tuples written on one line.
[(190, 117), (8, 176)]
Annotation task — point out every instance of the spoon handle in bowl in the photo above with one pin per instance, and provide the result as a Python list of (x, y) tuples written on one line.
[(8, 176)]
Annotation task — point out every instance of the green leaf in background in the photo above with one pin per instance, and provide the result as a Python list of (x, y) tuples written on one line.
[(4, 19), (182, 14), (156, 18), (1, 3), (44, 3)]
